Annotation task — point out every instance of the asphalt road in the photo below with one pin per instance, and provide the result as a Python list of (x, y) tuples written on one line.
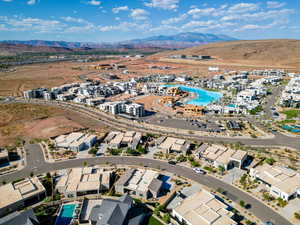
[(279, 140), (37, 165)]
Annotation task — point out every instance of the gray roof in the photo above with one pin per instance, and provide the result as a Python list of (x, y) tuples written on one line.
[(124, 179), (203, 147), (20, 218), (126, 199), (111, 212), (155, 185)]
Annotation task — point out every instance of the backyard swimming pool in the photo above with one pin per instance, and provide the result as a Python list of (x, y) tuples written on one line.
[(66, 214), (203, 98), (294, 128)]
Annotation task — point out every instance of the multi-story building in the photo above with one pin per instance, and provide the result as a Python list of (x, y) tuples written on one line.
[(124, 107)]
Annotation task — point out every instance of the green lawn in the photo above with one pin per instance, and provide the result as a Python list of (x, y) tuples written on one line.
[(153, 221), (290, 114)]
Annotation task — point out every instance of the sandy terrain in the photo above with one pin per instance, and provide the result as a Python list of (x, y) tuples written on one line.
[(54, 74), (26, 122), (50, 127), (259, 53)]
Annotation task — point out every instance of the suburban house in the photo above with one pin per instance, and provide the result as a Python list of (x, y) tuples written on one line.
[(141, 183), (120, 211), (169, 144), (20, 218), (75, 141), (218, 155), (15, 196), (282, 182), (203, 208), (83, 181), (4, 159), (130, 139)]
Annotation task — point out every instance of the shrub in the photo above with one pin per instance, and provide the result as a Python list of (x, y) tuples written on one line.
[(297, 215), (270, 161)]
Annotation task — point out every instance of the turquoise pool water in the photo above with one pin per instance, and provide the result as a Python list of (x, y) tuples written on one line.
[(66, 214), (294, 129), (203, 98), (232, 105)]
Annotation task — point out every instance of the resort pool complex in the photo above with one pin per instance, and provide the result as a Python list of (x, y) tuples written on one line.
[(203, 97), (66, 214)]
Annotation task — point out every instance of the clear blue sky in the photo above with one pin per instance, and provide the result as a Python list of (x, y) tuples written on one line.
[(116, 20)]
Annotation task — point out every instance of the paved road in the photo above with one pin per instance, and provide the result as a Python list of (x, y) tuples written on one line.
[(36, 164), (279, 140), (271, 100)]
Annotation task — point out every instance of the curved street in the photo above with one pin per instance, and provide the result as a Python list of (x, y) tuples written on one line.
[(37, 165), (278, 139)]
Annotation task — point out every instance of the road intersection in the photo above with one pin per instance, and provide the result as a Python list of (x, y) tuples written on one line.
[(36, 164)]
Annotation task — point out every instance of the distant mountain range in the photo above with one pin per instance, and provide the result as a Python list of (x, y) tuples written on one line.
[(178, 41), (182, 40)]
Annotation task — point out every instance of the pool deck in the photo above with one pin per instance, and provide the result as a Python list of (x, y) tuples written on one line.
[(57, 222)]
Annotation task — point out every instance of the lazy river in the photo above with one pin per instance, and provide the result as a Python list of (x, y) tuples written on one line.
[(203, 97)]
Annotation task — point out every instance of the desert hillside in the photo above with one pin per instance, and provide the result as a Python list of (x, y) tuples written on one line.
[(14, 49), (275, 52)]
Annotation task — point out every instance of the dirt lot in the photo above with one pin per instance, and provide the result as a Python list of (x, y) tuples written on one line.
[(54, 74), (23, 121)]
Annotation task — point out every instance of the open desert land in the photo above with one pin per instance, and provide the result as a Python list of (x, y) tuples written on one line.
[(44, 75), (237, 55), (55, 74), (20, 121)]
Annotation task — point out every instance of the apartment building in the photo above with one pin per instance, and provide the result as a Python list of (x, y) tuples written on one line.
[(124, 107), (291, 95)]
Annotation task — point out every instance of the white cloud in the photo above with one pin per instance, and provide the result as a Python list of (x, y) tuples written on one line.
[(125, 26), (174, 19), (7, 0), (139, 14), (94, 2), (163, 4), (31, 2), (243, 7), (276, 23), (74, 20), (32, 24), (259, 16), (121, 8), (275, 5), (196, 12), (193, 24)]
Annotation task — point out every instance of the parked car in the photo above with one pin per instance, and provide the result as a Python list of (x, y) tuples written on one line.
[(199, 170), (172, 162)]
